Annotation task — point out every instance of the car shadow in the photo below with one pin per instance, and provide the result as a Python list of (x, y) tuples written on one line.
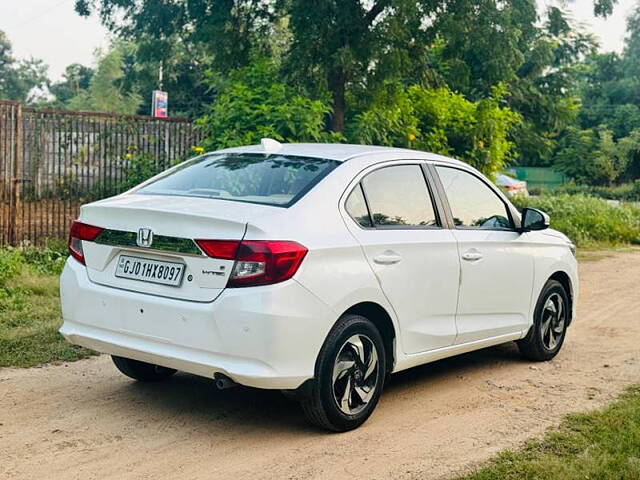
[(198, 402), (464, 364)]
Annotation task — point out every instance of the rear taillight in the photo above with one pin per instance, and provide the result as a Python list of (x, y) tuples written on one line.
[(257, 262), (225, 249), (79, 232)]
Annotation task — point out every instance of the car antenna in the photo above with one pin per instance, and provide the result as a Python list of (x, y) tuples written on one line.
[(270, 145)]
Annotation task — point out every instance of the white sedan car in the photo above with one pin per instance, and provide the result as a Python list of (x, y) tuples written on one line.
[(315, 269)]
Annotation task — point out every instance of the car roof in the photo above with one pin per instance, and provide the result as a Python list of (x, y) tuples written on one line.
[(337, 151)]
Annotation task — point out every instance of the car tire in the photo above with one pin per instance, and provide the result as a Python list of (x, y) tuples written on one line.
[(349, 376), (551, 318), (142, 371)]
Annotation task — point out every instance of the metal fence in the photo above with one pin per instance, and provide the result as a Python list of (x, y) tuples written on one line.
[(53, 161)]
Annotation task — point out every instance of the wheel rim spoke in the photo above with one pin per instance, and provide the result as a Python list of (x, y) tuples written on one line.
[(355, 374), (372, 364), (364, 394), (358, 347), (344, 401)]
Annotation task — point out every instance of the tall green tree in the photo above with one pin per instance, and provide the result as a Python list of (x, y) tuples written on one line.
[(105, 92), (76, 78), (337, 45), (21, 80)]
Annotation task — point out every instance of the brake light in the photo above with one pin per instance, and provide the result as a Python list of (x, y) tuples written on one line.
[(265, 262), (79, 232), (225, 249), (257, 262)]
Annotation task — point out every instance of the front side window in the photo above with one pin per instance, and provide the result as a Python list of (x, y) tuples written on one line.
[(473, 204), (255, 178), (398, 196)]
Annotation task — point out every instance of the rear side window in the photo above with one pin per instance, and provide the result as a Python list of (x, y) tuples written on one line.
[(398, 197), (357, 207), (255, 178), (473, 204)]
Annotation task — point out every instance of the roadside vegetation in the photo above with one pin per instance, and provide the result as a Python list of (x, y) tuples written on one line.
[(604, 444), (30, 308), (590, 222), (626, 192)]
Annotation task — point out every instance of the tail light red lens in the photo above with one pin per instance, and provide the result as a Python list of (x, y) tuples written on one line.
[(225, 249), (257, 262), (265, 262), (79, 232)]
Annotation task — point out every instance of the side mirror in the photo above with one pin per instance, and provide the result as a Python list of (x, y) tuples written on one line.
[(533, 219)]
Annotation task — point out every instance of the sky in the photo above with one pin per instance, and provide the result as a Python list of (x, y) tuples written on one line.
[(52, 31)]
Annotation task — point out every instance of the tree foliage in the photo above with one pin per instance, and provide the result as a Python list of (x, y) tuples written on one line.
[(105, 92), (488, 81), (252, 103), (441, 121), (20, 80)]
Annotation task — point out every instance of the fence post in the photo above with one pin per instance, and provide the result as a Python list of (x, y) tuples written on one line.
[(16, 180)]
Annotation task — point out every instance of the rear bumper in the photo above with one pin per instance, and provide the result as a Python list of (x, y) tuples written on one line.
[(265, 337)]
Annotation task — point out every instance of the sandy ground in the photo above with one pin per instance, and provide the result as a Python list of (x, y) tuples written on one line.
[(84, 420)]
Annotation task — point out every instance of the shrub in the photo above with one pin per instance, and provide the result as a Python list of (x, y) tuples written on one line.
[(47, 260), (11, 262), (589, 221), (629, 192)]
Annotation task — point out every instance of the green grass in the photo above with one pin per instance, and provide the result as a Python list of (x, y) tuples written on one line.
[(589, 222), (30, 309), (602, 445)]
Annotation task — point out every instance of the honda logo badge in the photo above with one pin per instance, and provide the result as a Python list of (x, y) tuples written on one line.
[(145, 237)]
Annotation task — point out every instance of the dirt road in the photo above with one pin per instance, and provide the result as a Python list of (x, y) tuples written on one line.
[(83, 420)]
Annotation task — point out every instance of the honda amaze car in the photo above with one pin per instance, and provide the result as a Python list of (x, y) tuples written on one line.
[(315, 269)]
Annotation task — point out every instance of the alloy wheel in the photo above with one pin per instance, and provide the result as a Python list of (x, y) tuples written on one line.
[(553, 321), (355, 374)]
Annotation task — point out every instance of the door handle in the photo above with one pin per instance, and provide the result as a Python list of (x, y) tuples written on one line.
[(387, 258), (472, 255)]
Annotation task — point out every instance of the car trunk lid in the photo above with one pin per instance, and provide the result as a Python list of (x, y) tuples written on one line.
[(175, 223)]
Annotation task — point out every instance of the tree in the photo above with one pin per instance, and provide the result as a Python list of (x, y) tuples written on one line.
[(545, 92), (76, 78), (252, 103), (441, 121), (342, 46), (105, 92), (21, 80)]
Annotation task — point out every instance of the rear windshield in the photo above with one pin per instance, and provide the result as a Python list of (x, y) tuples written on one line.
[(255, 178)]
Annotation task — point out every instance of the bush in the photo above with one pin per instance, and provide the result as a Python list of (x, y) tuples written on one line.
[(47, 260), (11, 262), (628, 192), (589, 221)]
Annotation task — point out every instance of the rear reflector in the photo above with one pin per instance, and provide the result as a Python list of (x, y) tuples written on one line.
[(79, 232), (257, 262)]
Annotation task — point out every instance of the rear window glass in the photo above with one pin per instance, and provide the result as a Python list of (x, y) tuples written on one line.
[(255, 178)]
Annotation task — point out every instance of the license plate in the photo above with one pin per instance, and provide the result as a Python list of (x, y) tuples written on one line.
[(147, 270)]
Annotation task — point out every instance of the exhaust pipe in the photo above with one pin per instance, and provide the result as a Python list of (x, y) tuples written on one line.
[(223, 382)]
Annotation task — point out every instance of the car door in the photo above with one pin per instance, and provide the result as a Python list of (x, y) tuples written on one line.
[(395, 219), (497, 265)]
